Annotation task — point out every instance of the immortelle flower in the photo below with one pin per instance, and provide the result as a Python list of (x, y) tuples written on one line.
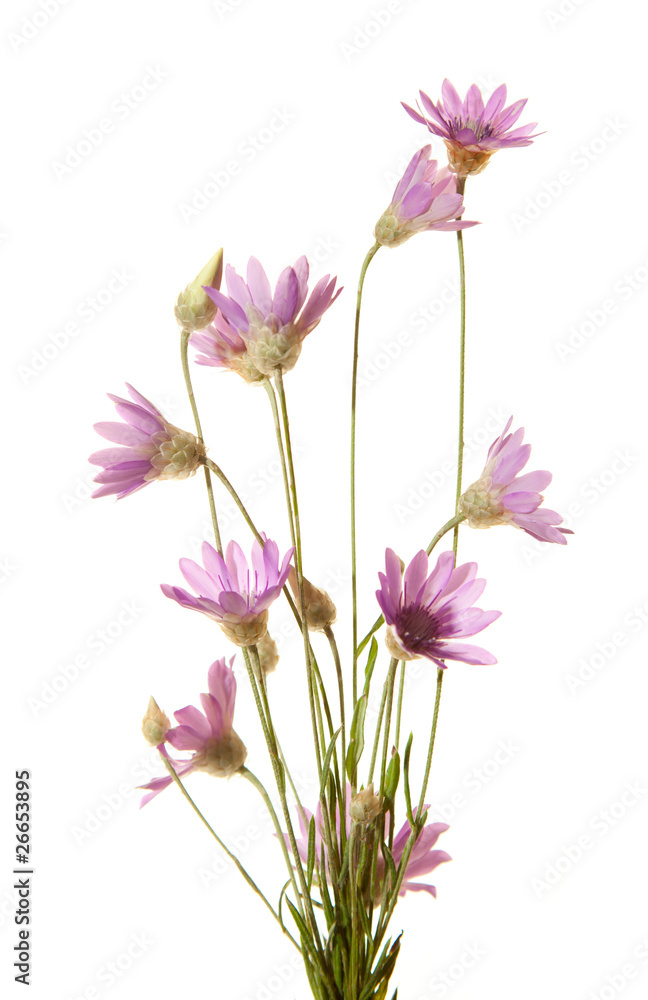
[(422, 860), (194, 310), (216, 748), (425, 198), (150, 448), (230, 592), (501, 496), (425, 614), (471, 130), (274, 326), (222, 347)]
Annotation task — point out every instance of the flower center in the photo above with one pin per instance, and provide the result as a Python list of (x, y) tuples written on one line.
[(417, 627), (480, 128)]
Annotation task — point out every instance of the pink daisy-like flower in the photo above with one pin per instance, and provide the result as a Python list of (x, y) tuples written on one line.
[(273, 327), (425, 614), (215, 747), (425, 198), (501, 496), (230, 592), (222, 347), (150, 448), (471, 130), (422, 860)]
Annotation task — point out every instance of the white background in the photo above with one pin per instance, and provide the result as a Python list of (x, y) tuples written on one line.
[(556, 274)]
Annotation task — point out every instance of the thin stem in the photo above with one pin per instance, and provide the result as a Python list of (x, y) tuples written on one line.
[(267, 385), (218, 472), (354, 394), (454, 522), (328, 632), (388, 713), (399, 707), (435, 719), (290, 468), (184, 346), (248, 878), (461, 184)]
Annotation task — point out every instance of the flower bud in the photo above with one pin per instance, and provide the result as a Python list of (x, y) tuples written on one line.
[(268, 654), (481, 507), (155, 724), (320, 609), (365, 806), (194, 310)]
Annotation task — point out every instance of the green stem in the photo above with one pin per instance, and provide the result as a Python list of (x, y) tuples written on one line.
[(290, 467), (435, 719), (461, 184), (267, 385), (354, 393), (454, 522), (388, 713), (328, 632), (218, 472), (248, 878), (399, 707), (184, 347)]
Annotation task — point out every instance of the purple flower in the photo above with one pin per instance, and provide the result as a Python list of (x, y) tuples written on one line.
[(501, 496), (273, 327), (422, 860), (223, 347), (425, 198), (425, 614), (215, 747), (471, 131), (231, 593), (150, 448)]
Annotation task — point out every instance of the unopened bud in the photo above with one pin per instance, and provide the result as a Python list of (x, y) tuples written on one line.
[(268, 654), (320, 609), (155, 724), (365, 806), (194, 309)]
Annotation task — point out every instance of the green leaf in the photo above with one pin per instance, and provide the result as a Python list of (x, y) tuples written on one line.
[(311, 852), (393, 776), (356, 742), (371, 663), (408, 794)]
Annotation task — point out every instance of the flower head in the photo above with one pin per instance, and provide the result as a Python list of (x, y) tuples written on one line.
[(194, 310), (222, 347), (501, 496), (425, 198), (155, 724), (425, 614), (150, 448), (422, 860), (230, 592), (471, 130), (215, 747), (320, 609), (273, 327)]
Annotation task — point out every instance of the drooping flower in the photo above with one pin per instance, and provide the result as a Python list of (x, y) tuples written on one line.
[(150, 448), (215, 748), (425, 198), (425, 614), (471, 130), (501, 496), (230, 592), (273, 327), (194, 310), (423, 859), (223, 347)]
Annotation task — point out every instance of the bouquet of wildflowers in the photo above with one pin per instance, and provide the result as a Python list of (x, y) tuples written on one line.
[(349, 855)]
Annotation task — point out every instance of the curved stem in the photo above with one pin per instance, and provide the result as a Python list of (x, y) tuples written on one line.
[(399, 707), (328, 632), (461, 184), (248, 878), (454, 522), (267, 385), (218, 472), (354, 394), (435, 719), (184, 346)]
